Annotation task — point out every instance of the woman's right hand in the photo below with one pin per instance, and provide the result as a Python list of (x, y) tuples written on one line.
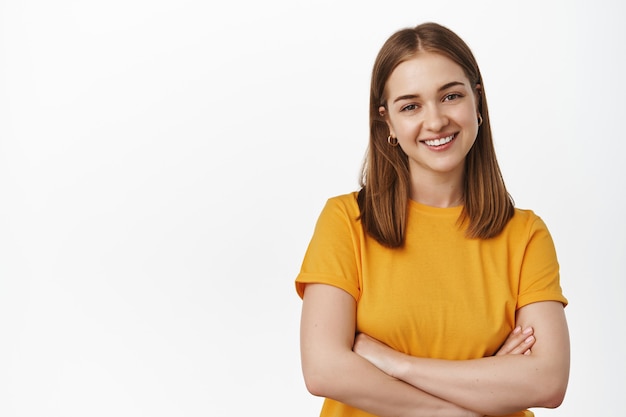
[(519, 342)]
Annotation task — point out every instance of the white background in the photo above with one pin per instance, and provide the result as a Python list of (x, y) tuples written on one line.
[(162, 165)]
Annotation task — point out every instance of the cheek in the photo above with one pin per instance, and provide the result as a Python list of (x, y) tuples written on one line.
[(467, 116), (405, 129)]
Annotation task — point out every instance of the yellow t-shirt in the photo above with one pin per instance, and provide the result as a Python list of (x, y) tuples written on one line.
[(440, 296)]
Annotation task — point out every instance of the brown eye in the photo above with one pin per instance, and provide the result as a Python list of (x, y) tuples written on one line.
[(452, 96), (409, 107)]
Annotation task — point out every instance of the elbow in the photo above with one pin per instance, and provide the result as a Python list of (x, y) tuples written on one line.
[(553, 393), (313, 384), (554, 401), (318, 377), (555, 398), (323, 372)]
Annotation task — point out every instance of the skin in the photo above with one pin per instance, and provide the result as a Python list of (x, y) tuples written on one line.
[(504, 383), (429, 97), (332, 369)]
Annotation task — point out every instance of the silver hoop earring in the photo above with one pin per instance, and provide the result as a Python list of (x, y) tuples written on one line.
[(392, 141), (480, 120)]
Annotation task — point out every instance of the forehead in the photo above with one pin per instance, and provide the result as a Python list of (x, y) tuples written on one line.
[(424, 73)]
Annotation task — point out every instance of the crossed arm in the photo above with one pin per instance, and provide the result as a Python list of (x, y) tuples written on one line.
[(371, 376)]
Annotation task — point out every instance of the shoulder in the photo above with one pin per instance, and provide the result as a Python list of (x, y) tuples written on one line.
[(344, 203), (526, 219), (527, 228), (340, 212)]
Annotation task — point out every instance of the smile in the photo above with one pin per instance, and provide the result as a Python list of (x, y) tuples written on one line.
[(440, 141)]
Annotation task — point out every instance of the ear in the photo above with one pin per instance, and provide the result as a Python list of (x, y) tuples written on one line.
[(382, 110), (478, 95)]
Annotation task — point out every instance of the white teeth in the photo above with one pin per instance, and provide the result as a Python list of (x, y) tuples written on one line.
[(439, 142)]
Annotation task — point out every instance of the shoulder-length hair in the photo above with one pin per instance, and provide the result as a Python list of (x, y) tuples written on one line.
[(385, 181)]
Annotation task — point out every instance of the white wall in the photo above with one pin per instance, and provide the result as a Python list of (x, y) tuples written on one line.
[(162, 164)]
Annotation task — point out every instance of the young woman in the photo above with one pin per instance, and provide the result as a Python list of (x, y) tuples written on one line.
[(427, 293)]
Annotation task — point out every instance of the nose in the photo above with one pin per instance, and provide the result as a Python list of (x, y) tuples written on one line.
[(434, 119)]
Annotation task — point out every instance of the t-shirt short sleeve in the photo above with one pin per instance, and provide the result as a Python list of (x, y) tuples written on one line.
[(333, 250), (539, 275)]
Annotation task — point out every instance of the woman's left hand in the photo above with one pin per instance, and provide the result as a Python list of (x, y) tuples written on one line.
[(519, 342)]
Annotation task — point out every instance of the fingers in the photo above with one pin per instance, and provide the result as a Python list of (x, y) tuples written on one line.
[(519, 342)]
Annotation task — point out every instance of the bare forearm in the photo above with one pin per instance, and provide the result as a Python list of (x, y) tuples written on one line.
[(352, 380), (333, 370), (494, 385)]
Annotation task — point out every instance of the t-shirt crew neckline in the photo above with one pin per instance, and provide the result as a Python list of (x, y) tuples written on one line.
[(435, 211)]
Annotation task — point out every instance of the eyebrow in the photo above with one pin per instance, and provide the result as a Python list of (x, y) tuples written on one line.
[(442, 88)]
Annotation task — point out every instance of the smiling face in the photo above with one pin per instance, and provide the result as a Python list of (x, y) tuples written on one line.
[(432, 110)]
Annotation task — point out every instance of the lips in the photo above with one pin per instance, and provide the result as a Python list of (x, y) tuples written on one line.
[(439, 141)]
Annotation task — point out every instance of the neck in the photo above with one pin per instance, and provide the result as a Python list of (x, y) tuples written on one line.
[(437, 192), (437, 201)]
